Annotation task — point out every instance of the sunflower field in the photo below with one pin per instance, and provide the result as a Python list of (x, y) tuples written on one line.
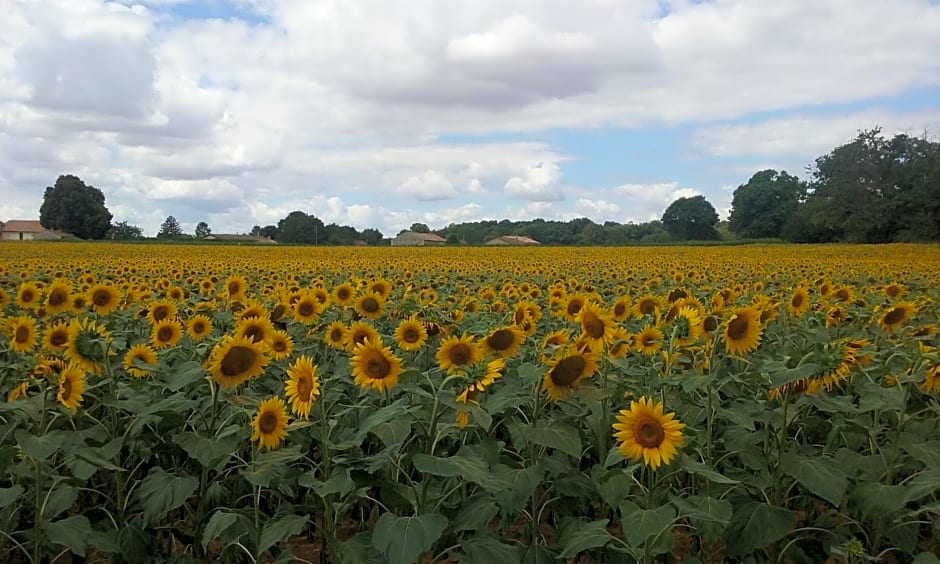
[(480, 405)]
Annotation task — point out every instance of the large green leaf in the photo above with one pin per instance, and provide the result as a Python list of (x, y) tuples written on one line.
[(640, 525), (819, 474), (521, 483), (581, 536), (699, 469), (60, 499), (161, 493), (183, 375), (470, 469), (208, 452), (403, 539), (218, 524), (879, 500), (73, 532), (709, 515), (476, 513), (338, 483), (755, 525), (558, 436), (9, 495), (922, 485), (383, 415), (280, 529), (41, 447), (488, 550)]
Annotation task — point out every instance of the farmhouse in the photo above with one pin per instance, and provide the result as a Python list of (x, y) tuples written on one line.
[(412, 239), (512, 240), (28, 230)]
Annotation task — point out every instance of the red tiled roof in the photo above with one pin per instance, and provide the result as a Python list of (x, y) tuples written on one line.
[(22, 226)]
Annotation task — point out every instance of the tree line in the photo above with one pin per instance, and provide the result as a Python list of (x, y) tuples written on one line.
[(869, 190)]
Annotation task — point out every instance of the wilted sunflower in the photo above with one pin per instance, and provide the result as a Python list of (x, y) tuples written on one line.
[(166, 333), (302, 386), (360, 332), (743, 330), (104, 298), (370, 306), (596, 324), (161, 310), (59, 297), (648, 341), (307, 308), (799, 302), (835, 315), (374, 366), (23, 333), (504, 342), (18, 391), (258, 329), (566, 370), (646, 433), (270, 423), (457, 353), (143, 353), (236, 359), (895, 316), (71, 386), (281, 345), (29, 296), (88, 343), (198, 327), (410, 334), (336, 335)]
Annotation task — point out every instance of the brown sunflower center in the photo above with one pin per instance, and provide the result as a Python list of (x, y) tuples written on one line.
[(737, 328), (343, 294), (620, 309), (842, 295), (593, 326), (22, 334), (66, 389), (893, 291), (895, 315), (360, 337), (255, 332), (370, 305), (59, 338), (27, 296), (101, 298), (501, 340), (304, 387), (160, 313), (278, 312), (574, 306), (280, 345), (460, 354), (305, 308), (648, 340), (378, 367), (567, 371), (237, 361), (711, 323), (336, 335), (796, 300), (267, 423), (58, 296), (234, 288), (165, 334), (199, 327), (411, 335), (648, 432), (647, 307)]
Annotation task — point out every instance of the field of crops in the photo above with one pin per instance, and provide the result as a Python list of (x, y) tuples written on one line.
[(242, 404)]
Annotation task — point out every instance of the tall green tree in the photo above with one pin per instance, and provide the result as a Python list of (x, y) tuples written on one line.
[(74, 207), (762, 206), (691, 219), (202, 230), (123, 231), (300, 228), (420, 228), (170, 229)]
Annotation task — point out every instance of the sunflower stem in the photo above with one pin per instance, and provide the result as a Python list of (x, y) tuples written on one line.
[(37, 503)]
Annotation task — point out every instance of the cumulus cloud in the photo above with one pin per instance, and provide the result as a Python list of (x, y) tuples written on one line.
[(430, 185), (540, 182)]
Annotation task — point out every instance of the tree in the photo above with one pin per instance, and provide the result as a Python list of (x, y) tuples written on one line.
[(122, 231), (691, 219), (420, 228), (765, 204), (372, 236), (202, 230), (170, 229), (76, 208), (298, 227)]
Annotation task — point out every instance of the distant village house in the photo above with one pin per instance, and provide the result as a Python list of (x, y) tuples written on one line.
[(29, 230), (413, 239), (512, 240)]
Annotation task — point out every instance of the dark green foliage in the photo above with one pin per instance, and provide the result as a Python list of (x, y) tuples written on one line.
[(202, 230), (765, 204), (74, 207), (298, 227), (691, 219), (170, 229), (420, 228), (123, 231)]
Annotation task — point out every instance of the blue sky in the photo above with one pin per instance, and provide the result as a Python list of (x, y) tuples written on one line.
[(380, 113)]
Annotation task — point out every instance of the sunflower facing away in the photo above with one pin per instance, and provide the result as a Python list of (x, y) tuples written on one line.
[(374, 366), (88, 343), (236, 359), (410, 334), (646, 433), (302, 386), (457, 353), (494, 369), (71, 386), (743, 330), (22, 332), (566, 370), (269, 427), (895, 316), (143, 353), (504, 342), (687, 326)]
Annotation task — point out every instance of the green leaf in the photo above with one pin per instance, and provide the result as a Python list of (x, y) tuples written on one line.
[(383, 415), (640, 525), (41, 447), (699, 469), (709, 516), (62, 497), (926, 558), (791, 375), (208, 452), (161, 493), (72, 532), (218, 523), (339, 483), (470, 469), (183, 375), (521, 483), (874, 397), (476, 513), (280, 529), (754, 525), (879, 500), (9, 495), (488, 550), (820, 474), (922, 485), (581, 536), (559, 437), (614, 486), (394, 431), (403, 539)]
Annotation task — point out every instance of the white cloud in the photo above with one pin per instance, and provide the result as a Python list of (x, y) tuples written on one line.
[(540, 182), (430, 185)]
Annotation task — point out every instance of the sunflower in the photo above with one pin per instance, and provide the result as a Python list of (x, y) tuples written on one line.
[(799, 302), (596, 324), (896, 315), (29, 295), (743, 330), (467, 396), (58, 297), (894, 290), (649, 340), (566, 370), (931, 381), (88, 343), (410, 334), (647, 305), (4, 299), (687, 327), (302, 386), (235, 288), (104, 298), (270, 423), (166, 334), (380, 286), (18, 391), (554, 339), (198, 327), (236, 359), (360, 332), (252, 308), (374, 366), (620, 311), (646, 433), (504, 342), (456, 353), (572, 306), (835, 315), (71, 386), (344, 294), (494, 369), (282, 345), (620, 341), (258, 329), (160, 310), (336, 335), (307, 308), (23, 333), (370, 306), (143, 353)]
